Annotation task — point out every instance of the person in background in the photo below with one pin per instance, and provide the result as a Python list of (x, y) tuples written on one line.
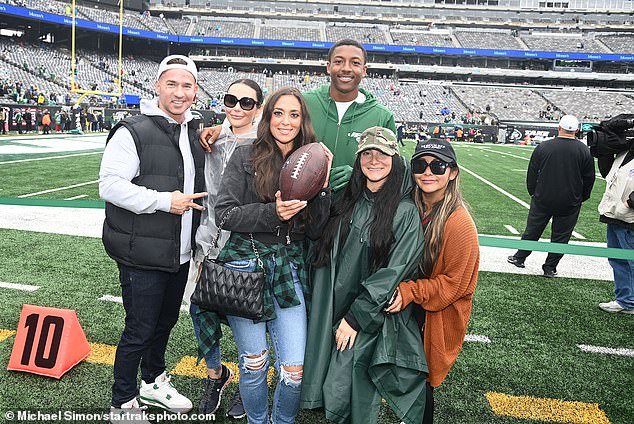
[(449, 267), (616, 209), (151, 178), (3, 119), (46, 122), (560, 177)]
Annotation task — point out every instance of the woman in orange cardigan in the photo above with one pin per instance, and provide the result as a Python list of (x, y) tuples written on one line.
[(449, 265)]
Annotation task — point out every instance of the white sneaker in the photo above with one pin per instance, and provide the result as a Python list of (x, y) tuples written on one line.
[(163, 394), (614, 307), (129, 413)]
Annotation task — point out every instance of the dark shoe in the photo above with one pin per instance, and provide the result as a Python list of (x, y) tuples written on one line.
[(213, 391), (236, 409), (517, 262), (550, 273)]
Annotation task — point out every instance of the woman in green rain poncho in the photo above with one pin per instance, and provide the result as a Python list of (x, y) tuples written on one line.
[(357, 354)]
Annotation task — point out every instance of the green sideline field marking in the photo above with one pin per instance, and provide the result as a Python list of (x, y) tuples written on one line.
[(90, 204), (545, 409), (568, 249)]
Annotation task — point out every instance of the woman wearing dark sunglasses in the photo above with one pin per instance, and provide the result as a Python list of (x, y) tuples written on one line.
[(243, 105), (449, 265)]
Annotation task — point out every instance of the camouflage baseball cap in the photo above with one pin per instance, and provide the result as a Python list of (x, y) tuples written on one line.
[(379, 138)]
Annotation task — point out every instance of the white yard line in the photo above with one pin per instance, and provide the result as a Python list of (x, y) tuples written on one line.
[(119, 299), (578, 236), (504, 192), (506, 154), (511, 229), (57, 189), (476, 338), (15, 286), (620, 351), (76, 197), (50, 157)]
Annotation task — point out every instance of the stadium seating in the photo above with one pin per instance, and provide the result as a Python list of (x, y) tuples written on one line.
[(562, 43), (510, 104), (272, 30), (488, 40), (364, 34), (420, 38), (619, 43), (216, 28), (590, 106)]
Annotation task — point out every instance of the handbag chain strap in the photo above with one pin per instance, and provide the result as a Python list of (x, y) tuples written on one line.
[(222, 223)]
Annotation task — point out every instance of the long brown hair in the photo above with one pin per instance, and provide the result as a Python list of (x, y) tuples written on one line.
[(267, 156), (438, 216)]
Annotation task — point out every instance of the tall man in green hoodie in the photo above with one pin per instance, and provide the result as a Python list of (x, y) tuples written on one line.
[(340, 111)]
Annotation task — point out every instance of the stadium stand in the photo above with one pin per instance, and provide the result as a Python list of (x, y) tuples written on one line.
[(373, 34), (505, 103), (421, 38), (295, 30), (590, 106), (488, 39), (216, 28), (619, 43), (562, 43)]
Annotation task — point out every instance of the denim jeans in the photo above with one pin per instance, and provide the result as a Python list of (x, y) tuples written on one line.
[(621, 237), (152, 301), (288, 336), (212, 358)]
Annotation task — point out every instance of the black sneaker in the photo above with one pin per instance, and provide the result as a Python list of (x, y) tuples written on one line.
[(236, 409), (517, 262), (550, 273), (213, 391)]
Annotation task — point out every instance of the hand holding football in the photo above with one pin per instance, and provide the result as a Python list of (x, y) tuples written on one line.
[(304, 173)]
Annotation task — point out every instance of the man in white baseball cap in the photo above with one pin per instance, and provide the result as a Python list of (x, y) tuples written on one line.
[(569, 123), (560, 177), (177, 61), (152, 180)]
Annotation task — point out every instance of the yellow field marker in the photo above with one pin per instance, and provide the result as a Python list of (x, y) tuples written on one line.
[(549, 410), (102, 354), (5, 334), (187, 366)]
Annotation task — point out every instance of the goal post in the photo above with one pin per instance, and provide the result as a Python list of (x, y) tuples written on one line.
[(74, 87)]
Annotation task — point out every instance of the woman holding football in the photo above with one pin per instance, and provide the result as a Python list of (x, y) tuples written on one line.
[(357, 354), (250, 203)]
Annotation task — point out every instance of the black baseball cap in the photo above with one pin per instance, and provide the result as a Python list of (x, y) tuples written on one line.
[(437, 148)]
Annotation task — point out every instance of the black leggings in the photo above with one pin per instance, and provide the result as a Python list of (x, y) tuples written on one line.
[(428, 418)]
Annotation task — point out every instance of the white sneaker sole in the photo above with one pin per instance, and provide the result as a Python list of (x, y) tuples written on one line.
[(159, 404)]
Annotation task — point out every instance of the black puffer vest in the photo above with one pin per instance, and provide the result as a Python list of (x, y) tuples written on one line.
[(152, 241)]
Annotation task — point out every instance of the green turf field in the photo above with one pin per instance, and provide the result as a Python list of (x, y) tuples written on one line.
[(524, 362)]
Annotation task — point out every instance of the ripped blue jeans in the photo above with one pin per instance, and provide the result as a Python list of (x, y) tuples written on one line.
[(288, 336)]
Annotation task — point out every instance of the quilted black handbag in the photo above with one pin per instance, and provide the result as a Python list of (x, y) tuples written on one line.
[(228, 291)]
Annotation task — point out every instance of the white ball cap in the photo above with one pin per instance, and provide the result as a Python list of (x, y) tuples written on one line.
[(189, 65), (569, 123)]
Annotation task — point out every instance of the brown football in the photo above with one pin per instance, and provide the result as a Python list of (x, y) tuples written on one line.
[(304, 173)]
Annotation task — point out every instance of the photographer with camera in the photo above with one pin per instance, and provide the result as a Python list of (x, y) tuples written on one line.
[(612, 143)]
